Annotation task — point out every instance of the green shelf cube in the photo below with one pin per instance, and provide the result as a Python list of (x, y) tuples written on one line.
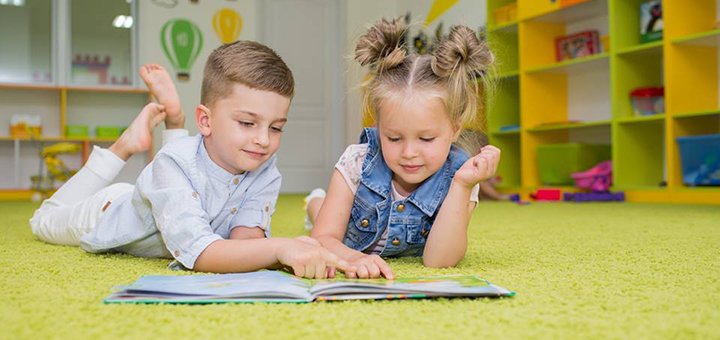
[(76, 131), (557, 162), (108, 131)]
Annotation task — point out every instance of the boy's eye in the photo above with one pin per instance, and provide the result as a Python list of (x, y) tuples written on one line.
[(277, 128), (427, 139)]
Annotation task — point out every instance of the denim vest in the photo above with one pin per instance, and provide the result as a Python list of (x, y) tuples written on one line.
[(410, 219)]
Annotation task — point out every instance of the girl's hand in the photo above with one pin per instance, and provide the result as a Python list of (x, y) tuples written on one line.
[(369, 267), (479, 168)]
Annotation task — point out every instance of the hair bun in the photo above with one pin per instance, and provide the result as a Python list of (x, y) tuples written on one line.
[(381, 47), (461, 51)]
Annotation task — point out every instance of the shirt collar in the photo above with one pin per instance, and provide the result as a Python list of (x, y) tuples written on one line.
[(213, 169)]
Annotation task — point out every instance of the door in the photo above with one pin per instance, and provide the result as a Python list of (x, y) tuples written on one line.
[(308, 36)]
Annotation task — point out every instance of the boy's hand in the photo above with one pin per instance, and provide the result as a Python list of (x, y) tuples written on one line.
[(310, 260), (370, 267), (478, 168)]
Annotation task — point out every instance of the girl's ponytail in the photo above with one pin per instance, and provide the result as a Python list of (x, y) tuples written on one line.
[(381, 46), (464, 60)]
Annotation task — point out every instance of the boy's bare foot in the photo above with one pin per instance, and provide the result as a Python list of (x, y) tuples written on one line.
[(138, 136), (162, 88)]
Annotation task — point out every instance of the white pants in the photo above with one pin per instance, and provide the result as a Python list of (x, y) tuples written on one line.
[(77, 206)]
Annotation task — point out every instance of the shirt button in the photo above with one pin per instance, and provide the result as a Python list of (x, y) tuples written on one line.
[(395, 241), (400, 207), (364, 223), (236, 181), (195, 194), (177, 253), (233, 211)]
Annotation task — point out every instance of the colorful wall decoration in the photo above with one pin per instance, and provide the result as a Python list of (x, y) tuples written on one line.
[(227, 25), (181, 41)]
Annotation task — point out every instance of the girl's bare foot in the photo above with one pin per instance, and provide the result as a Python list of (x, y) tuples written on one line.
[(138, 136), (162, 88)]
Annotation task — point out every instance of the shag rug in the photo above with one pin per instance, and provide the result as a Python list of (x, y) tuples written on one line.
[(617, 270)]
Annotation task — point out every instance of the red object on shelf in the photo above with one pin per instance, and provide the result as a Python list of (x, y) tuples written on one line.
[(577, 45), (547, 195)]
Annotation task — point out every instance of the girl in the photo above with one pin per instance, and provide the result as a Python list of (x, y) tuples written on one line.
[(407, 190)]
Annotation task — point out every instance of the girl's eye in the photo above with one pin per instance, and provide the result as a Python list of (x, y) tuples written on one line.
[(430, 139), (393, 139), (248, 124)]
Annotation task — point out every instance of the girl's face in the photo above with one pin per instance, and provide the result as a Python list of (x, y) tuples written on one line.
[(415, 137)]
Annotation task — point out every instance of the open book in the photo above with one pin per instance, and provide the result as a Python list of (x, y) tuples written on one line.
[(274, 286)]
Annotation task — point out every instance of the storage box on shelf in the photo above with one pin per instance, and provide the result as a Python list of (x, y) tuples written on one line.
[(588, 99)]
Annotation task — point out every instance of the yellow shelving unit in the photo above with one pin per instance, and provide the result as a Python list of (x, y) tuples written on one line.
[(64, 96), (541, 99)]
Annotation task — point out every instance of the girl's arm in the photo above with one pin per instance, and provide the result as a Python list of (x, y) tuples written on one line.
[(447, 242), (332, 219), (331, 225)]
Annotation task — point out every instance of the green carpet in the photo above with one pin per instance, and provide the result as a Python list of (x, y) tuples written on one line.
[(587, 270)]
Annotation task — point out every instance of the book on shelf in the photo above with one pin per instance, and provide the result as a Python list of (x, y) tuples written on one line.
[(276, 287)]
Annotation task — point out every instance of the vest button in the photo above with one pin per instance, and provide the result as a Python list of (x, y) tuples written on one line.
[(364, 223), (400, 207), (395, 241), (425, 233)]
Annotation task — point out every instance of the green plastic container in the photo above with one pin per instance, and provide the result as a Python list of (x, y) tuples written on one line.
[(557, 162), (108, 131), (76, 131)]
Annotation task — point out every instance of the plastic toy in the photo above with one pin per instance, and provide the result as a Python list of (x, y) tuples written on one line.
[(596, 179), (547, 195)]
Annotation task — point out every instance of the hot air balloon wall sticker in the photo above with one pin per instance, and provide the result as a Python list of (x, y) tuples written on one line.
[(181, 40), (227, 25)]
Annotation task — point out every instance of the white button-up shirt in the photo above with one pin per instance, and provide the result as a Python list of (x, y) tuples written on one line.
[(182, 202)]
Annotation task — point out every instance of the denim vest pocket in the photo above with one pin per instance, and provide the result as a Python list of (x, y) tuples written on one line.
[(417, 233), (362, 227)]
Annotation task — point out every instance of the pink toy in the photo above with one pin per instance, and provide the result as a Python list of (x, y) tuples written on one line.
[(597, 179)]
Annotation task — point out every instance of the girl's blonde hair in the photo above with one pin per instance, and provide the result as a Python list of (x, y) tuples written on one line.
[(455, 71)]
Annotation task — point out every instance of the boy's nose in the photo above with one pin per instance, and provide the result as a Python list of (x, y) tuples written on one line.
[(262, 138)]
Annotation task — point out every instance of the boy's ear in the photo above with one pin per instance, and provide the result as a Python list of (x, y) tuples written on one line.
[(202, 118)]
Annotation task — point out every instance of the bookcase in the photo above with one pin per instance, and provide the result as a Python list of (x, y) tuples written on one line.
[(66, 63), (540, 101)]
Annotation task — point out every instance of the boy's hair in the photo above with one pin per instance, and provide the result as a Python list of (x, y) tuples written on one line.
[(245, 62), (451, 72)]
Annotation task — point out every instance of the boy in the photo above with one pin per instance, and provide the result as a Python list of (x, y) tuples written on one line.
[(204, 200)]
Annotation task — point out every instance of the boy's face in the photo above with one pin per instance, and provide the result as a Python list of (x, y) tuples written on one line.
[(416, 135), (243, 130)]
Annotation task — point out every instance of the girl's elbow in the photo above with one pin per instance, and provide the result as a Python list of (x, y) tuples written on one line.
[(439, 263)]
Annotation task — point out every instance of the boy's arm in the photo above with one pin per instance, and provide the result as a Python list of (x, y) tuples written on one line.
[(305, 259), (244, 233)]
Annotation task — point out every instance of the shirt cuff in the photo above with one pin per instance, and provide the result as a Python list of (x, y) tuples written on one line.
[(188, 257), (171, 134)]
